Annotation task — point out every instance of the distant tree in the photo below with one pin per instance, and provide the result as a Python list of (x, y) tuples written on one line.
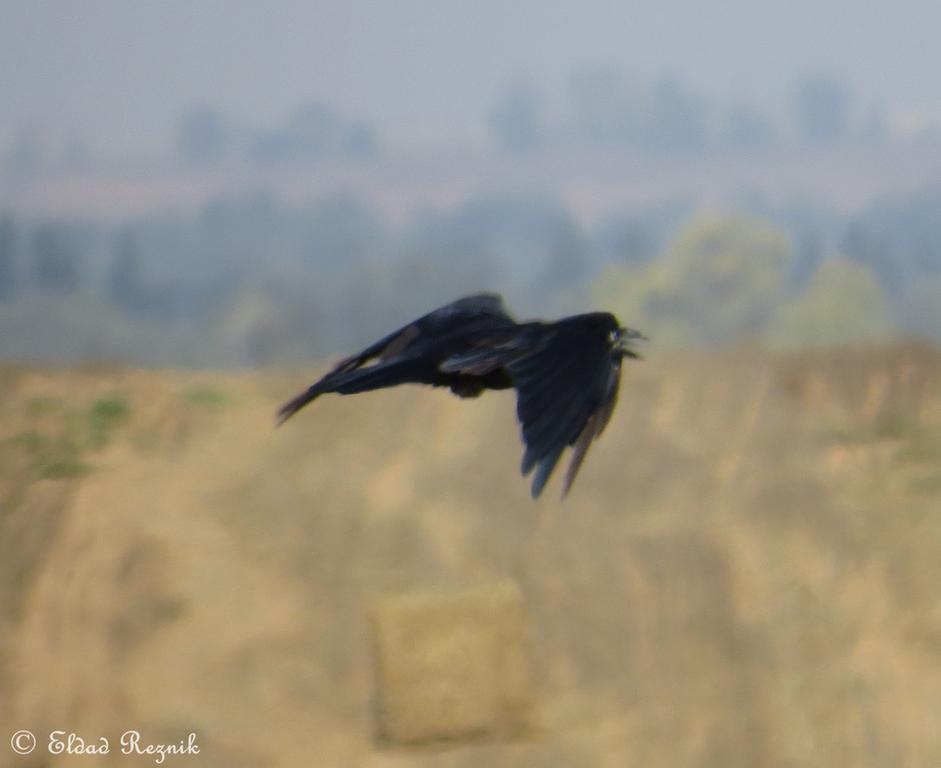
[(58, 260), (338, 232), (676, 121), (521, 235), (250, 328), (313, 131), (842, 303), (918, 311), (899, 238), (125, 278), (807, 257), (421, 278), (26, 155), (567, 263), (360, 141), (232, 233), (606, 110), (8, 238), (814, 229), (516, 121), (626, 239), (272, 148), (203, 136), (822, 108), (747, 129), (719, 281)]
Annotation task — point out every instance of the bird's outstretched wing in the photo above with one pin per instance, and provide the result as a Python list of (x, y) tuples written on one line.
[(458, 316), (567, 390), (468, 308)]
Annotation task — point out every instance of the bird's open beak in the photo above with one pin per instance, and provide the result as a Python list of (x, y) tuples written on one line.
[(629, 335)]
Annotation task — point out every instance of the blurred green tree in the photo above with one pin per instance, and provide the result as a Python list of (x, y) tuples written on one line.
[(842, 303), (719, 281)]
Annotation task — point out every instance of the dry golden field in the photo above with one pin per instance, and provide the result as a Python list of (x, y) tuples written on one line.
[(747, 572)]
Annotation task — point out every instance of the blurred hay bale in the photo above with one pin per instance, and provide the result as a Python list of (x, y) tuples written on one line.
[(452, 665)]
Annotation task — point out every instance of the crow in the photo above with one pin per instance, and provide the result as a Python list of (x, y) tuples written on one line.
[(566, 373)]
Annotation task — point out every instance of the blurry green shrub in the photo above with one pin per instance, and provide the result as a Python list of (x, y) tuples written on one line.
[(720, 280), (843, 303)]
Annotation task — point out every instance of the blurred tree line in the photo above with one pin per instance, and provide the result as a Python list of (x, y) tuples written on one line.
[(252, 281), (606, 109), (207, 137), (602, 108), (726, 278)]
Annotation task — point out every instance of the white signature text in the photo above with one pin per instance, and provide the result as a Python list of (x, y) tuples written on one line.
[(64, 742)]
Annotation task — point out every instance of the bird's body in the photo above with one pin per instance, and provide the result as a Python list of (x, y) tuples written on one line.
[(566, 373)]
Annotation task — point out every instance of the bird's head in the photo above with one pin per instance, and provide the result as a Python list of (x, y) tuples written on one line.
[(622, 340)]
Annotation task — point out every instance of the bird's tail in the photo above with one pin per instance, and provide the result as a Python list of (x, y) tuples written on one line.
[(348, 383)]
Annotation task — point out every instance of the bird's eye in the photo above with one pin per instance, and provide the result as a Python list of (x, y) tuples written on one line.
[(614, 336)]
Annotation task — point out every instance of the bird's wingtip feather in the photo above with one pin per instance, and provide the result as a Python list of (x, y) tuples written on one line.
[(291, 407)]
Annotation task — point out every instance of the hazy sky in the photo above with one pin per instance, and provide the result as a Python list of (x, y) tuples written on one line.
[(119, 72)]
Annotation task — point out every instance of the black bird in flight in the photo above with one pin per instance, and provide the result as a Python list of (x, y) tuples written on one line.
[(566, 373)]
